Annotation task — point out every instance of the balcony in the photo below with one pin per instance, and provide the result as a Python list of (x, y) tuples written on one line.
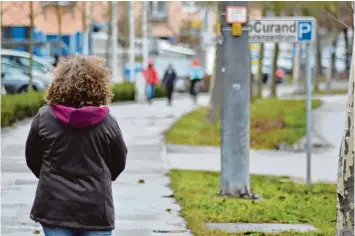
[(158, 11)]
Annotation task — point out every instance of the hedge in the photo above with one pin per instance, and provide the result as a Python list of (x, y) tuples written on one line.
[(15, 107)]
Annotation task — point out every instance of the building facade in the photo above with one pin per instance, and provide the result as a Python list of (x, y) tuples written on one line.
[(179, 21)]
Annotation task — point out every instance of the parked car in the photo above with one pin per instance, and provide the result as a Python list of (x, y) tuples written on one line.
[(40, 66), (15, 80)]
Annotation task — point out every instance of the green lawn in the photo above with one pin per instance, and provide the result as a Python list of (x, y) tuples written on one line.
[(273, 121), (325, 92), (282, 202)]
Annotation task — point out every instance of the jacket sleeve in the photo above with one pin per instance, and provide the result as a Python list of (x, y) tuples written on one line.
[(117, 161), (34, 149), (164, 79), (156, 76), (174, 75)]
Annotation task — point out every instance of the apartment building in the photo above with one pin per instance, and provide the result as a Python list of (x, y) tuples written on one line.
[(167, 20)]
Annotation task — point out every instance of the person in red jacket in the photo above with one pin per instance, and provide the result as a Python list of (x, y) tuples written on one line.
[(151, 78)]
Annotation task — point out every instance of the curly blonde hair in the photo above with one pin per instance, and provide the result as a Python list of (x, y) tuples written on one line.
[(80, 81)]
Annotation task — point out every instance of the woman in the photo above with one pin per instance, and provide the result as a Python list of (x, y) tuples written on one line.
[(196, 75), (151, 78), (75, 148), (168, 82)]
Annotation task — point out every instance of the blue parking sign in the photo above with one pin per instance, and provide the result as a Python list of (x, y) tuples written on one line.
[(304, 31)]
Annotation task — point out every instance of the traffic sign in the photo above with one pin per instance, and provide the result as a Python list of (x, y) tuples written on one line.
[(236, 14), (282, 30)]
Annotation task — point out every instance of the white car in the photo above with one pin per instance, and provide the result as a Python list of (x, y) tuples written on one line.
[(40, 66)]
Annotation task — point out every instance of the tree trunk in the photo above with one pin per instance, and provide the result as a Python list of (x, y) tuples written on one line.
[(216, 87), (345, 31), (274, 68), (30, 47), (345, 187), (297, 68), (318, 72), (214, 111), (331, 67), (59, 18), (84, 24), (260, 72), (109, 35)]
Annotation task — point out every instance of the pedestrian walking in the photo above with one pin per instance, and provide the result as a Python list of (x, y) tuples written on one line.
[(76, 149), (280, 76), (151, 78), (196, 75), (56, 60), (168, 82)]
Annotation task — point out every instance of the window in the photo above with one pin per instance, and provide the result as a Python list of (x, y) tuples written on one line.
[(10, 69), (6, 68), (157, 9), (35, 65), (189, 6), (61, 3)]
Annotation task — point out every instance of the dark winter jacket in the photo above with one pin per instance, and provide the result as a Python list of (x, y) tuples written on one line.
[(76, 154), (169, 77)]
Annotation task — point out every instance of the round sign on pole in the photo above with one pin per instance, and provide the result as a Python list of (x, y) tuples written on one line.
[(236, 14)]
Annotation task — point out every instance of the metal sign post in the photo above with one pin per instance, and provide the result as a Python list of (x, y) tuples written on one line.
[(309, 113), (281, 30)]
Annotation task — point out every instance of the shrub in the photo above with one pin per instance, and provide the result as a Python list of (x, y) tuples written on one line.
[(123, 92), (16, 107), (159, 92), (19, 106)]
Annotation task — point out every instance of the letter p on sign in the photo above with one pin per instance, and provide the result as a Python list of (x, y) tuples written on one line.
[(304, 29)]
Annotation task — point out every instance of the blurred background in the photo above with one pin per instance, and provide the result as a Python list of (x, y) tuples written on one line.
[(177, 32)]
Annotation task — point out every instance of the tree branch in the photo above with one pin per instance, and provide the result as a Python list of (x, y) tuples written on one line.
[(335, 19), (350, 6)]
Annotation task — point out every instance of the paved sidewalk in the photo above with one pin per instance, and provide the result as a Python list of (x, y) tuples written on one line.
[(141, 209), (324, 165)]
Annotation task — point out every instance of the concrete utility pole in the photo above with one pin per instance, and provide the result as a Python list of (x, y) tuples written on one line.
[(114, 38), (132, 40), (235, 109)]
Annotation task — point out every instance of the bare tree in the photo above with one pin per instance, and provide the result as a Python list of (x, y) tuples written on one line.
[(259, 93), (109, 33), (30, 47), (84, 22), (345, 187), (214, 111), (59, 18), (276, 8), (318, 71)]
